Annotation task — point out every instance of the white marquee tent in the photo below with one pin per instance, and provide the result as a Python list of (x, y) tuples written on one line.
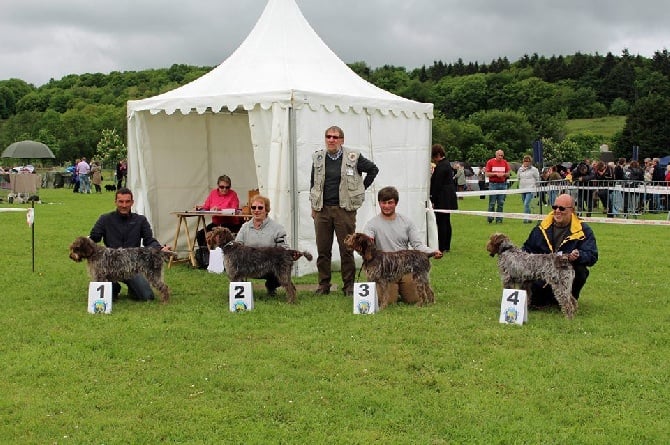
[(258, 117)]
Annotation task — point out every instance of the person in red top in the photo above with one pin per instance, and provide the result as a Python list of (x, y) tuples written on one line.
[(498, 171), (222, 197)]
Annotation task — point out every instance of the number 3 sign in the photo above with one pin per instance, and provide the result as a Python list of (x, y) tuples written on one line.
[(365, 298), (514, 307)]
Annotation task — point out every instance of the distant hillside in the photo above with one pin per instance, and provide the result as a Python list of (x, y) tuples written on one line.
[(605, 126)]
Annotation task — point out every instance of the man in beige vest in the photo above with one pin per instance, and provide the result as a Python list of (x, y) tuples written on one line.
[(337, 192)]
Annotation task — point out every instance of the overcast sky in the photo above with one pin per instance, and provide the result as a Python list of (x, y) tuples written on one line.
[(44, 39)]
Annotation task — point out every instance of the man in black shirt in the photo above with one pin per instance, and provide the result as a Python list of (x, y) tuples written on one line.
[(123, 228)]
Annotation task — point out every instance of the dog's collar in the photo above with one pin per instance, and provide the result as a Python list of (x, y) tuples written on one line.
[(506, 247)]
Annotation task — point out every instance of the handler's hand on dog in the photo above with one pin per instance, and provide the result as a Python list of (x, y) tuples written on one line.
[(438, 254), (166, 248), (572, 256)]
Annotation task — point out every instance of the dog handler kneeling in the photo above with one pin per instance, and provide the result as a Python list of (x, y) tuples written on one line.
[(393, 232), (561, 231), (123, 228)]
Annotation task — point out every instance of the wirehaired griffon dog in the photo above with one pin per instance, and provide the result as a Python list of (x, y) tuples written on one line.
[(242, 262), (106, 264), (519, 268), (387, 267)]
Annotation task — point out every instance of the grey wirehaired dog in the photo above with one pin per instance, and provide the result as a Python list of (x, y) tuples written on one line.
[(387, 267), (242, 262), (519, 268), (106, 264)]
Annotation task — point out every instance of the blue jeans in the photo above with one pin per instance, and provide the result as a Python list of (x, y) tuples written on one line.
[(85, 184), (497, 202), (526, 198), (616, 202)]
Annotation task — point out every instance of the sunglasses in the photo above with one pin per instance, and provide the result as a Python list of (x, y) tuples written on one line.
[(257, 207), (332, 136), (224, 187), (561, 208)]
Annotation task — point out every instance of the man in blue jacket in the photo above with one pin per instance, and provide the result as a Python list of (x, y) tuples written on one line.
[(561, 231)]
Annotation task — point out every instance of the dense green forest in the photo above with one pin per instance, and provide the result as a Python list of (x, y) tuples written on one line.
[(478, 107)]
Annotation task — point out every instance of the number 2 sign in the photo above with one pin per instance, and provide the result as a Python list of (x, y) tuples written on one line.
[(241, 296)]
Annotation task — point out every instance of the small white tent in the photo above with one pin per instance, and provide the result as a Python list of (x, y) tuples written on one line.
[(258, 117)]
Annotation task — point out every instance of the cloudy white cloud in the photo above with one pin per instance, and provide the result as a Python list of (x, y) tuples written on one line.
[(42, 40)]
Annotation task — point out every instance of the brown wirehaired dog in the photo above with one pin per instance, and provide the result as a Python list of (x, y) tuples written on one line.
[(386, 267), (105, 264), (242, 262), (519, 268)]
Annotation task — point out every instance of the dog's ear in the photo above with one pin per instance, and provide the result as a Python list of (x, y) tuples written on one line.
[(91, 246), (367, 247)]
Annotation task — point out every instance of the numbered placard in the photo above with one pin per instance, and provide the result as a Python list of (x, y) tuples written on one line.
[(514, 307), (215, 261), (365, 298), (100, 297), (241, 296)]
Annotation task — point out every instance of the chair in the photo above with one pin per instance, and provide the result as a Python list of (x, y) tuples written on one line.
[(246, 210)]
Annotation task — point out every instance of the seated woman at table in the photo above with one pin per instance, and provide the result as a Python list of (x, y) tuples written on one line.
[(262, 231), (222, 197)]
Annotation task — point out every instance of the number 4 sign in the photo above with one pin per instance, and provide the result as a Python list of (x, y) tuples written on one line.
[(514, 307)]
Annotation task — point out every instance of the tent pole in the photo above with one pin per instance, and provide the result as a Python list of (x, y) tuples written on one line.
[(294, 179), (32, 229), (430, 152)]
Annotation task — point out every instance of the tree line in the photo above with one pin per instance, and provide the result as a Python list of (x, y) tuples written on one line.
[(478, 107)]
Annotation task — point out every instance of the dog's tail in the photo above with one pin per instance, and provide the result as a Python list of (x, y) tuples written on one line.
[(297, 254), (167, 254)]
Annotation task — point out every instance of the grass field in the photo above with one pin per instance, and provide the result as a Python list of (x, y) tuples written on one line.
[(191, 372), (606, 126)]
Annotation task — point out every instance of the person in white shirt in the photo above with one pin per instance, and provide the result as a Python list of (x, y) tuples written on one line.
[(529, 179), (83, 171)]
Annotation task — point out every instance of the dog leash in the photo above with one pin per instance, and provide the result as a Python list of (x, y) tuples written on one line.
[(360, 270)]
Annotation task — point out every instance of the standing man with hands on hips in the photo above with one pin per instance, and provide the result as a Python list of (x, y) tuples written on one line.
[(337, 192)]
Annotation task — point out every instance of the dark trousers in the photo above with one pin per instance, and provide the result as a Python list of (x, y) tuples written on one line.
[(271, 282), (542, 294), (334, 220), (443, 221), (138, 289)]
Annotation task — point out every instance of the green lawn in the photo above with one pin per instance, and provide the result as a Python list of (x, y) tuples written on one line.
[(606, 126), (191, 372)]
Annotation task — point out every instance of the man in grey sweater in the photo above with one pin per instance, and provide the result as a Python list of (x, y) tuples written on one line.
[(393, 231)]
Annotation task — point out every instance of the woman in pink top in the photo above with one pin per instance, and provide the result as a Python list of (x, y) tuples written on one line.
[(222, 197)]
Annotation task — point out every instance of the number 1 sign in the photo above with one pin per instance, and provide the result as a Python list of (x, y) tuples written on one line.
[(100, 297), (514, 307)]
